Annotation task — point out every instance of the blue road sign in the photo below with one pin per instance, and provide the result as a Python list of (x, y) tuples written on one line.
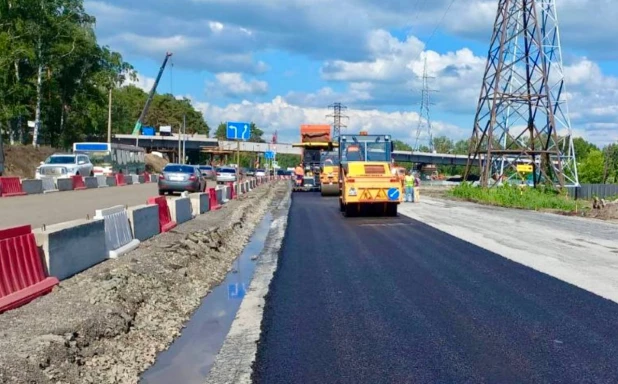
[(393, 194), (238, 130), (236, 291), (269, 155)]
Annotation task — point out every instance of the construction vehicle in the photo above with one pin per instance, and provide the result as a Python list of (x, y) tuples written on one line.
[(367, 183), (329, 173), (137, 130), (315, 139)]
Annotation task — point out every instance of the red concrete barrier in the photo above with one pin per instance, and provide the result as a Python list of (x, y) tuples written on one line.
[(230, 185), (11, 186), (165, 218), (212, 200), (22, 275), (146, 177), (120, 181), (78, 183)]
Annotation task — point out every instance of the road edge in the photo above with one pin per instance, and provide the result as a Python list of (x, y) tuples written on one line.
[(234, 361)]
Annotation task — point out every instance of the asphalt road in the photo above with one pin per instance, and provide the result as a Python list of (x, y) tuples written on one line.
[(392, 300), (58, 207)]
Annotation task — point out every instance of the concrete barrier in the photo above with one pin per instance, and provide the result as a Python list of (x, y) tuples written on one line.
[(72, 247), (154, 178), (128, 180), (64, 184), (134, 179), (225, 194), (118, 235), (180, 209), (91, 182), (144, 221), (141, 179), (111, 181), (49, 184), (200, 203), (32, 187), (102, 181)]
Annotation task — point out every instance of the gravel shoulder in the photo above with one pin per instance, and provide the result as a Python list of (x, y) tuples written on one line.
[(107, 324)]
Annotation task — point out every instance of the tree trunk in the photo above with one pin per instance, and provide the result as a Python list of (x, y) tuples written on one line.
[(20, 127), (39, 96)]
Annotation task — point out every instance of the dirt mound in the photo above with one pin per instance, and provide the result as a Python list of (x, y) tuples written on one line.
[(22, 160), (154, 163)]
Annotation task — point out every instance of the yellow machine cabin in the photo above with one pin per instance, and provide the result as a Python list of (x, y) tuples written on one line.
[(367, 183)]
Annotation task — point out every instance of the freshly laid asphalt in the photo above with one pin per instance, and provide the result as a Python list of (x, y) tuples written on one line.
[(391, 300)]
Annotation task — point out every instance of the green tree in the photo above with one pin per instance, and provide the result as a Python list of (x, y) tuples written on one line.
[(401, 146), (591, 169), (582, 148)]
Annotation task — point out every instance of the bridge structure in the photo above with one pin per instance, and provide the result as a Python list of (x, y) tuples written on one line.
[(194, 144)]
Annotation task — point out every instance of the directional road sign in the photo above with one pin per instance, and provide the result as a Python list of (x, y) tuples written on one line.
[(269, 155), (393, 194), (238, 130)]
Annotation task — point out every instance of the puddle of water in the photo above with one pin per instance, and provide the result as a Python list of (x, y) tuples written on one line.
[(191, 356)]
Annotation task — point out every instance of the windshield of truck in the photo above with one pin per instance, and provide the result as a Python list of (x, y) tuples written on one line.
[(100, 158), (330, 158), (60, 160), (377, 151)]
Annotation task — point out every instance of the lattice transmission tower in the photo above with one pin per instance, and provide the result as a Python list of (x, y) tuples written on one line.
[(424, 118), (338, 116), (522, 116)]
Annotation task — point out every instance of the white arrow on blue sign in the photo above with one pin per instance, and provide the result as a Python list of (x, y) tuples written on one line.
[(393, 194), (238, 130)]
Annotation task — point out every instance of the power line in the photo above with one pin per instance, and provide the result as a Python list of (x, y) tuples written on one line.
[(337, 116), (433, 33)]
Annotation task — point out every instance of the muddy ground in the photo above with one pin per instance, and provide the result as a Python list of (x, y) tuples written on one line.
[(107, 324)]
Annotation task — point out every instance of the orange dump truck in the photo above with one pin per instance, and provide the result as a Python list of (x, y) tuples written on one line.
[(315, 138)]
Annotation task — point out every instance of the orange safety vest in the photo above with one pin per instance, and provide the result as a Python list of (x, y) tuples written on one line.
[(299, 171)]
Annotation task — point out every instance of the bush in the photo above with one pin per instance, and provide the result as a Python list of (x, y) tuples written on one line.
[(515, 197)]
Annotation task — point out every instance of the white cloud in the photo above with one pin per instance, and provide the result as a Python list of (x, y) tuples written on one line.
[(145, 83), (286, 119), (233, 85)]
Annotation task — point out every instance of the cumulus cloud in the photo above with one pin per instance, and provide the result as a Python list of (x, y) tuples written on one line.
[(144, 83), (285, 118), (233, 85)]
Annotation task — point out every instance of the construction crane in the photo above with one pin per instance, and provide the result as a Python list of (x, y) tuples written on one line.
[(138, 124)]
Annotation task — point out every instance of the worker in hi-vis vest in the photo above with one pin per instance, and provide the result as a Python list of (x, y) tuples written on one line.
[(408, 183), (300, 173)]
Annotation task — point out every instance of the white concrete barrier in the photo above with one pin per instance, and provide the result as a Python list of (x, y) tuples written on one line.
[(224, 194), (144, 221), (32, 187), (154, 178), (72, 247), (49, 184), (180, 209), (102, 181), (118, 236), (64, 184), (91, 182), (199, 203), (134, 179)]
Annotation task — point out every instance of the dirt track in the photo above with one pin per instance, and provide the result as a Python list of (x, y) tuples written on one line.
[(107, 324)]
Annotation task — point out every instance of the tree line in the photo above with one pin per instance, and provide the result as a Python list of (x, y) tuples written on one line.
[(595, 165), (55, 79)]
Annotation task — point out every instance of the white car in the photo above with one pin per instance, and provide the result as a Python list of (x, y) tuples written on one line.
[(260, 173), (65, 165), (226, 174)]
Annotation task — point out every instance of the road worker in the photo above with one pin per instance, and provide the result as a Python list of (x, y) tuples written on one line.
[(408, 181), (300, 173)]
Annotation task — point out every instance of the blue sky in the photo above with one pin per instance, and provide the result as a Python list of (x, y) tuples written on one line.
[(281, 63)]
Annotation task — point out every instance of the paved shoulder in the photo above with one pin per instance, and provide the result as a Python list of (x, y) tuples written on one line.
[(579, 251), (397, 301)]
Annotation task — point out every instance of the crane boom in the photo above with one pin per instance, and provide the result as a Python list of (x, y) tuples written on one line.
[(138, 125)]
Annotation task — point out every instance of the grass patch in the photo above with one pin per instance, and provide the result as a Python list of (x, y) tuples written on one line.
[(516, 197)]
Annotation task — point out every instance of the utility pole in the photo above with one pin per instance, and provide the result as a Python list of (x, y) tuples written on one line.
[(109, 117), (424, 119), (184, 138), (337, 117), (520, 108)]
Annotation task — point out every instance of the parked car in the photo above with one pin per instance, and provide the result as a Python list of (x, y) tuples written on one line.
[(181, 178), (208, 171), (250, 172), (65, 165), (226, 174), (260, 172)]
